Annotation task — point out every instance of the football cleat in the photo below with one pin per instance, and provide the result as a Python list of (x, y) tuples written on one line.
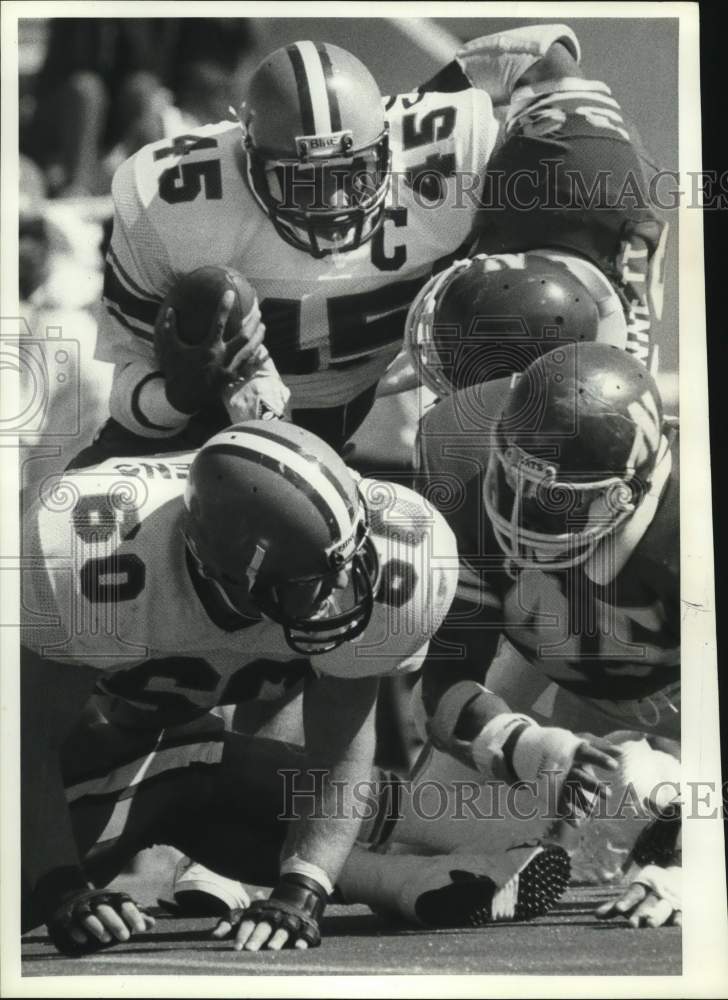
[(472, 899), (200, 892)]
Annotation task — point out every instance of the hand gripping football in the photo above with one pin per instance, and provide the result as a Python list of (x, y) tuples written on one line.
[(207, 330)]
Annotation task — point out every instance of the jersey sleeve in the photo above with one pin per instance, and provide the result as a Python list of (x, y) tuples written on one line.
[(419, 568), (442, 135), (85, 583), (137, 274), (583, 176)]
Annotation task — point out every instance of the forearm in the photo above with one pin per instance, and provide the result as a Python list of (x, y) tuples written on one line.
[(463, 649), (327, 834), (139, 401), (52, 697), (340, 743)]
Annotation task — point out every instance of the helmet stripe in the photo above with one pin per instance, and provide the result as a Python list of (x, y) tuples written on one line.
[(318, 95), (334, 110), (262, 432), (277, 456), (304, 94)]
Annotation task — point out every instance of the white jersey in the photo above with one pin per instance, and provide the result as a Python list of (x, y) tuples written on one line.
[(333, 325), (109, 582)]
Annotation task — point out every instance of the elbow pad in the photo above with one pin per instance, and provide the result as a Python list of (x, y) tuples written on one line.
[(495, 63)]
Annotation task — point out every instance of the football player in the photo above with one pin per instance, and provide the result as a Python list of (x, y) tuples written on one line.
[(178, 584), (334, 202), (565, 204), (561, 485), (568, 176)]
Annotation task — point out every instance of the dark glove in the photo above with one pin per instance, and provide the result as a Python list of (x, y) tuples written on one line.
[(295, 905), (73, 915), (196, 370)]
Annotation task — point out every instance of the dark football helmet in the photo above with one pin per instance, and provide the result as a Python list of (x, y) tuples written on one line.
[(317, 146), (572, 454), (276, 520), (489, 316)]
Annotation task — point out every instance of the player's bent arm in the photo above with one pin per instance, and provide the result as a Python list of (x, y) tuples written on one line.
[(79, 917), (138, 401), (500, 62), (338, 717), (461, 650), (339, 731), (137, 274), (477, 727), (52, 698)]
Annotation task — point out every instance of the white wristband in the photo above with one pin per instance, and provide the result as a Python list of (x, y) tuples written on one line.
[(489, 743), (295, 865)]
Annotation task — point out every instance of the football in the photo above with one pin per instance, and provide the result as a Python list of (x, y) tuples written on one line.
[(195, 299)]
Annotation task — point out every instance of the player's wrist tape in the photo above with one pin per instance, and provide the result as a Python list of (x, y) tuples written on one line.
[(499, 739), (664, 882), (495, 63), (539, 750), (293, 865)]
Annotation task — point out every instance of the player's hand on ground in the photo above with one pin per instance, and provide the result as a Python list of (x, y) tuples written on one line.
[(288, 918), (253, 934), (95, 918), (644, 905)]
